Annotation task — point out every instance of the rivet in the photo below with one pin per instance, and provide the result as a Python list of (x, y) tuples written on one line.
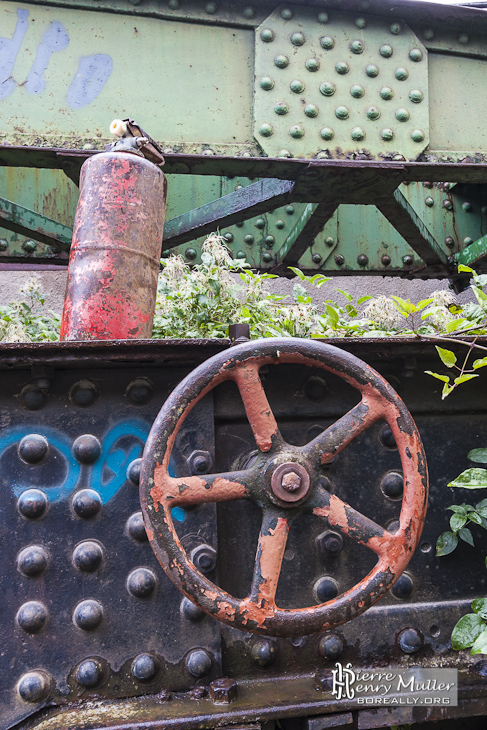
[(311, 110), (386, 51), (34, 686), (267, 257), (298, 39), (386, 93), (427, 184), (467, 207), (325, 589), (327, 133), (392, 485), (316, 258), (290, 209), (360, 23), (266, 83), (260, 223), (415, 55), (286, 13), (357, 91), (248, 239), (407, 260), (32, 560), (330, 646), (133, 472), (136, 528), (342, 68), (281, 108), (190, 254), (395, 28), (428, 34), (339, 260), (387, 438), (284, 153), (327, 88), (86, 503), (296, 86), (87, 556), (141, 582), (402, 115), (323, 18), (357, 46), (372, 113), (341, 112), (32, 397), (32, 503), (463, 39), (312, 64), (267, 35), (403, 587), (89, 673), (467, 241), (296, 131), (29, 246), (208, 152), (357, 134), (269, 241), (417, 135), (88, 615), (240, 224), (266, 130), (144, 667), (190, 611), (228, 237), (387, 134), (410, 640), (330, 241), (84, 393), (327, 42), (86, 449), (416, 96), (263, 652), (211, 8), (447, 204), (401, 73), (279, 224), (362, 259), (385, 259), (198, 663), (32, 617), (281, 61), (249, 12), (3, 244), (372, 70), (33, 448), (429, 202), (449, 242)]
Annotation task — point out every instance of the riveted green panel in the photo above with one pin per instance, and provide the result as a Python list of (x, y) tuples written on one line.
[(337, 84)]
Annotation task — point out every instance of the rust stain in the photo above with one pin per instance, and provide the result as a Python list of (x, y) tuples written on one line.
[(256, 405)]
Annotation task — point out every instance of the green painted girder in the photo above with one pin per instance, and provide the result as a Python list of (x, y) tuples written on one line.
[(27, 222), (473, 253)]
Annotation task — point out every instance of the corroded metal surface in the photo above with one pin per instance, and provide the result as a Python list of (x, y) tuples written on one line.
[(114, 260), (160, 492)]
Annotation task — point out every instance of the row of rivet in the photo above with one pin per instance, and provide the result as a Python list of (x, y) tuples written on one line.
[(34, 448), (28, 245), (297, 131), (85, 393), (341, 67), (362, 260)]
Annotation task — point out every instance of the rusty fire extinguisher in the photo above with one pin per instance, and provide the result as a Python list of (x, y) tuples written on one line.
[(117, 239)]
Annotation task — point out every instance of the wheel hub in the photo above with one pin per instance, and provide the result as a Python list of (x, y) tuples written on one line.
[(290, 482)]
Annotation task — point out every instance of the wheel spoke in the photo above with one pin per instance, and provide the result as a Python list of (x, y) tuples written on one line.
[(340, 434), (185, 491), (351, 522), (268, 559), (257, 408)]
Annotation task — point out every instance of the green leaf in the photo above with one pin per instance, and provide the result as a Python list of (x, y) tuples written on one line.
[(480, 644), (481, 505), (333, 316), (465, 535), (404, 306), (457, 521), (480, 606), (447, 389), (347, 296), (447, 357), (466, 631), (480, 296), (481, 363), (424, 303), (444, 378), (474, 517), (363, 299), (455, 324), (463, 378), (446, 543), (471, 479), (466, 269)]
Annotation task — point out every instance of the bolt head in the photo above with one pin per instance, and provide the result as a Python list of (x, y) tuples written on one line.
[(291, 481)]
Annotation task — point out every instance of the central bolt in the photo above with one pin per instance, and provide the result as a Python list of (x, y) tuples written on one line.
[(291, 481)]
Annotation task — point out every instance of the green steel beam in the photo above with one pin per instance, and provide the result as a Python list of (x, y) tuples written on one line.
[(473, 253), (27, 222), (309, 224)]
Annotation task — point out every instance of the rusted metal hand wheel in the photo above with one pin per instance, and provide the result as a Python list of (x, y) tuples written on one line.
[(284, 481)]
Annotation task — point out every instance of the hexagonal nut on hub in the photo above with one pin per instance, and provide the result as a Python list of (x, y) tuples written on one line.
[(291, 481), (329, 543), (224, 690), (200, 462)]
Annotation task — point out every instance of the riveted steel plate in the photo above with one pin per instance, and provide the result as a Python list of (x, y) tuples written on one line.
[(335, 84)]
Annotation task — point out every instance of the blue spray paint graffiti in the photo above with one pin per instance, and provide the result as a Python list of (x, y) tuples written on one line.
[(92, 74)]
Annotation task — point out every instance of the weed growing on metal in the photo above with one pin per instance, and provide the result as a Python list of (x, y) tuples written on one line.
[(26, 321)]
